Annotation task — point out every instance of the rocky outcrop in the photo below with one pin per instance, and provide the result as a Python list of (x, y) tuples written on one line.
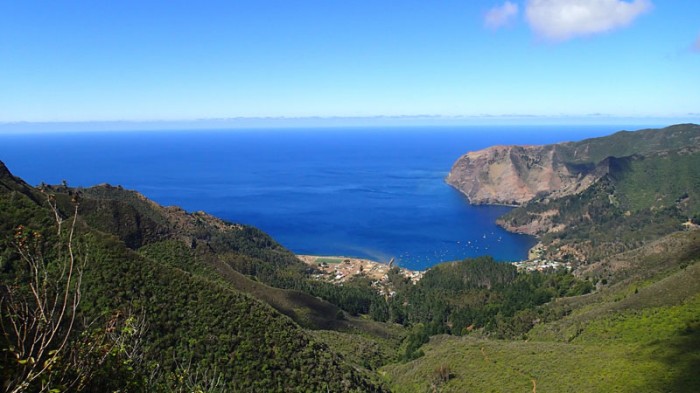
[(513, 175)]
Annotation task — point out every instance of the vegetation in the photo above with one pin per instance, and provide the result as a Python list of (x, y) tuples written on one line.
[(244, 249), (640, 334), (519, 366), (482, 294), (626, 144), (195, 330)]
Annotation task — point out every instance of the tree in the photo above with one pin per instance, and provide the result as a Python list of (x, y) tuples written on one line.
[(39, 308)]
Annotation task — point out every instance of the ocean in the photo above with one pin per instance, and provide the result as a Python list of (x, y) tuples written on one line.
[(375, 193)]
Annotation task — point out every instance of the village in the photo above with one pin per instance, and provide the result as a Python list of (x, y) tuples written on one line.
[(540, 265), (341, 269), (536, 261)]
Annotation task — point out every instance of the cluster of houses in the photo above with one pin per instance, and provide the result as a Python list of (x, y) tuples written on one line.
[(540, 265), (340, 269), (536, 261)]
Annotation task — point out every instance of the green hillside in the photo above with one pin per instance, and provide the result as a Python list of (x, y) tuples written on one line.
[(238, 252), (647, 194), (201, 291), (194, 328), (477, 365), (641, 334), (628, 143)]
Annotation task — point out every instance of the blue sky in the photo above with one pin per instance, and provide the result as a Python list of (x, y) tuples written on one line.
[(75, 61)]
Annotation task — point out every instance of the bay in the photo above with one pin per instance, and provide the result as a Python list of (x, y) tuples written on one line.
[(374, 193)]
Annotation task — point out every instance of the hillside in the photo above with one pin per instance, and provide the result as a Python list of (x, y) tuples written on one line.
[(177, 318), (590, 199), (640, 333), (514, 175), (244, 256), (640, 199)]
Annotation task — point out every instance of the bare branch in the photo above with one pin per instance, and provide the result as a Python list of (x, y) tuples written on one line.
[(40, 311)]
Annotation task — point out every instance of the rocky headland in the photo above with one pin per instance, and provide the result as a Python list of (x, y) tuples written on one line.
[(587, 199), (513, 175)]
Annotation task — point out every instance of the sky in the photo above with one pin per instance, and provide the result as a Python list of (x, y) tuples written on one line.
[(136, 61)]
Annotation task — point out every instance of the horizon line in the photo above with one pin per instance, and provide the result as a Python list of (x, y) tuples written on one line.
[(243, 122)]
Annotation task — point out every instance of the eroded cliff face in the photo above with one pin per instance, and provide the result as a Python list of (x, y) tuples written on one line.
[(513, 175), (588, 199)]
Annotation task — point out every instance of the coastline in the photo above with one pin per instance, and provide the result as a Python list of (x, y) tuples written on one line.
[(339, 269), (477, 203)]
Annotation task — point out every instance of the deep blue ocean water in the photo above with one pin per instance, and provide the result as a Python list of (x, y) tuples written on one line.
[(370, 192)]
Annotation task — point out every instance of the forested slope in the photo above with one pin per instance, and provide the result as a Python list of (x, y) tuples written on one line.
[(641, 197), (237, 252), (193, 327)]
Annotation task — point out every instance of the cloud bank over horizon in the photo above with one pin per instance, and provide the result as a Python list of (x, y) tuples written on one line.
[(561, 20)]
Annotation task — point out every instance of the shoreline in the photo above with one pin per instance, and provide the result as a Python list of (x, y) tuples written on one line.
[(339, 269)]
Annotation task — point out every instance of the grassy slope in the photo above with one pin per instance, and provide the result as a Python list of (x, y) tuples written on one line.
[(655, 350), (641, 334), (511, 366)]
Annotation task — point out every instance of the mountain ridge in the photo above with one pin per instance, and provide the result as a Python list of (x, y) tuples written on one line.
[(515, 174)]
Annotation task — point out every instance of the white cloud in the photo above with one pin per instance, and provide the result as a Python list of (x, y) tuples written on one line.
[(500, 16), (560, 20)]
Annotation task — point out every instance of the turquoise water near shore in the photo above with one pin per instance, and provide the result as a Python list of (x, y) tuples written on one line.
[(365, 192)]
